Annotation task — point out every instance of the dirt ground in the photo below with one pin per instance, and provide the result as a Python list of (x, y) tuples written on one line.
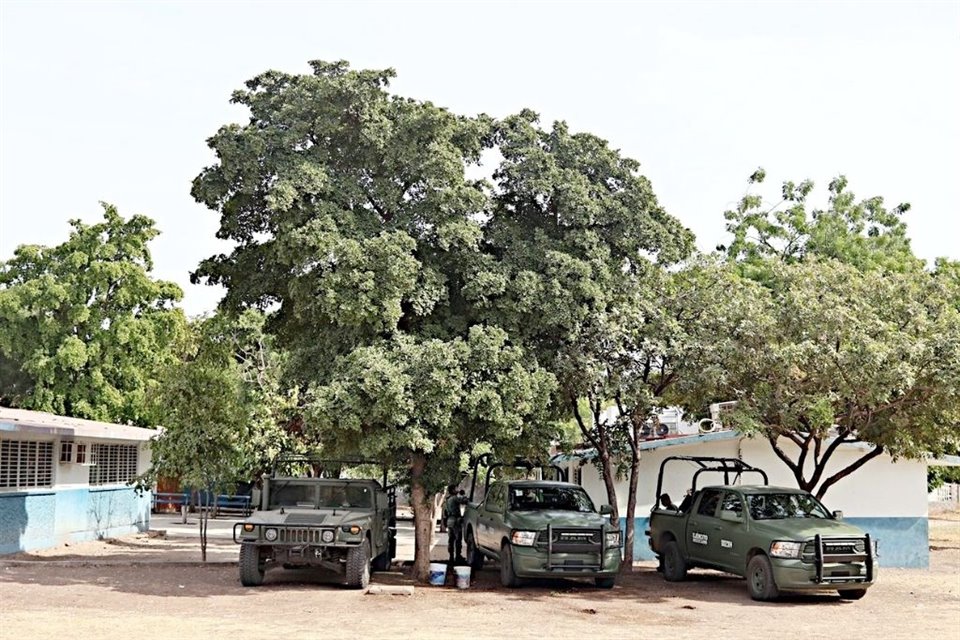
[(137, 587)]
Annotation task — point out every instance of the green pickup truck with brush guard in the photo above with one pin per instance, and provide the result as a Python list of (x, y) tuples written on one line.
[(542, 529), (779, 539)]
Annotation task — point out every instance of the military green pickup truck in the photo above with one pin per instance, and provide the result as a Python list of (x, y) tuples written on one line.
[(345, 525), (542, 529), (779, 539)]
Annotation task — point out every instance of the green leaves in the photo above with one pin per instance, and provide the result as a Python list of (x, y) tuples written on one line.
[(84, 329)]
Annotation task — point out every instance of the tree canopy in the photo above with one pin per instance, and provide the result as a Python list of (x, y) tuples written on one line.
[(83, 326)]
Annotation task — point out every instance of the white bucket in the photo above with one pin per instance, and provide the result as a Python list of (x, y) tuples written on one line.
[(438, 574), (463, 577)]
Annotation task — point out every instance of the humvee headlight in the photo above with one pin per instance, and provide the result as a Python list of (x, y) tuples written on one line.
[(784, 549), (613, 539), (248, 527), (327, 535), (270, 534), (350, 528), (523, 538)]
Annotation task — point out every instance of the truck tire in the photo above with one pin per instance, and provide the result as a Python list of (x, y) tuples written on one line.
[(605, 583), (674, 566), (760, 582), (852, 594), (358, 566), (474, 556), (508, 576), (251, 569)]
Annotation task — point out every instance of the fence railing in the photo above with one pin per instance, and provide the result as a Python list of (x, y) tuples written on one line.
[(949, 492)]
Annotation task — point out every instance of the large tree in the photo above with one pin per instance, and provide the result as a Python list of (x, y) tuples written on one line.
[(83, 325), (840, 356), (354, 221)]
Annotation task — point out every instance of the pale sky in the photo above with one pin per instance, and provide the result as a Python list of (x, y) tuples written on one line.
[(114, 101)]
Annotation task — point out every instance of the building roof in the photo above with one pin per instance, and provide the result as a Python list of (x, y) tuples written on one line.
[(47, 424), (653, 443)]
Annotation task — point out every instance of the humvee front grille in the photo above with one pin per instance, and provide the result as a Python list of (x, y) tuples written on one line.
[(295, 535)]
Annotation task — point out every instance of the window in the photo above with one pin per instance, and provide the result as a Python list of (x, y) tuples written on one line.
[(578, 475), (733, 503), (66, 451), (708, 503), (25, 464), (81, 451), (113, 463)]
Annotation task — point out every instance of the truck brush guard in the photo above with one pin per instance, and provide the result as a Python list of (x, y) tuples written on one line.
[(576, 540), (843, 549)]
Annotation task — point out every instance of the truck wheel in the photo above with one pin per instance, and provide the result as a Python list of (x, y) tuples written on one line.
[(760, 582), (251, 569), (605, 583), (358, 566), (852, 594), (474, 557), (508, 577), (674, 566)]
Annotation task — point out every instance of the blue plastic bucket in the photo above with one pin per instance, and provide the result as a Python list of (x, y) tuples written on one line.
[(438, 574)]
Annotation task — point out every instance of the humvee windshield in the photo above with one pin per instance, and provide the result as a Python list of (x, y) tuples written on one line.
[(552, 498), (776, 506), (293, 494)]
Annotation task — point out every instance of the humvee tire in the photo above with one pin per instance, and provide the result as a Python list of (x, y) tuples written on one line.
[(852, 594), (358, 566), (251, 571), (508, 577), (674, 566), (760, 582)]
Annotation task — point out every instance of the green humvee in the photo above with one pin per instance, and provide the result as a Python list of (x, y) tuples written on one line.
[(542, 529), (344, 525), (779, 539)]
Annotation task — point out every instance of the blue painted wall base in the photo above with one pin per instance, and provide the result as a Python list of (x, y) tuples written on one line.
[(903, 542), (43, 519)]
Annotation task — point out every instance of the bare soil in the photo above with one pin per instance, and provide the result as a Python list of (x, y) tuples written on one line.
[(122, 589)]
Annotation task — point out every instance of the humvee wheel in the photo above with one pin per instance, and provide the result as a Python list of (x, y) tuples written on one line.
[(358, 566), (852, 594), (760, 582), (474, 557), (605, 583), (674, 566), (251, 569), (508, 577)]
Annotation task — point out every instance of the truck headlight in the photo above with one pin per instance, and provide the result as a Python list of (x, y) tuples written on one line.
[(523, 538), (785, 549), (270, 535), (613, 539), (327, 535)]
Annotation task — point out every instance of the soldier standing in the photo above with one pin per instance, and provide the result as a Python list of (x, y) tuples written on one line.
[(454, 520)]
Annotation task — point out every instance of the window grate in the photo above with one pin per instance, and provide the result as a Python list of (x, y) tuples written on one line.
[(113, 463), (25, 463)]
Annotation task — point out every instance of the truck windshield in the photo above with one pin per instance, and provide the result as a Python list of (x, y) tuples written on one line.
[(552, 498), (345, 496), (776, 506)]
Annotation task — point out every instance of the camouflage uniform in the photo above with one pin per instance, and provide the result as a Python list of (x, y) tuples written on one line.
[(454, 522)]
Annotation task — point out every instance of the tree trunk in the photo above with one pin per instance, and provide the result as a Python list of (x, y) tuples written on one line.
[(204, 514), (422, 518), (609, 482), (630, 530)]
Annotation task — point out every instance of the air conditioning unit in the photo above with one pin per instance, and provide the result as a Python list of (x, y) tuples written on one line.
[(719, 410)]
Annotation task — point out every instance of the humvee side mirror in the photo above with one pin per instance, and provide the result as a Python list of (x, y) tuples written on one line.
[(606, 510), (731, 516), (838, 515)]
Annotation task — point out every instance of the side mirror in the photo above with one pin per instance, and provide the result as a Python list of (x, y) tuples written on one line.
[(606, 510), (731, 516), (838, 515)]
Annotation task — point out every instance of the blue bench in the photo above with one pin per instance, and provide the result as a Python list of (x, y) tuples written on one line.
[(168, 501)]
